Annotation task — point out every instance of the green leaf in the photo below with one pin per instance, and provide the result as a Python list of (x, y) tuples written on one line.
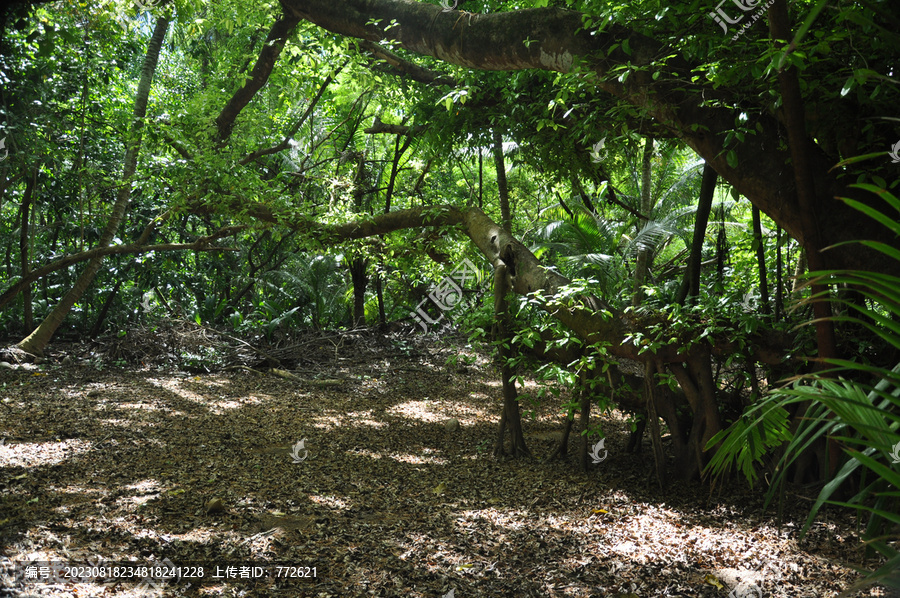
[(731, 158)]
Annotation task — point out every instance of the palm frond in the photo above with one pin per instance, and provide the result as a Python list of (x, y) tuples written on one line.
[(863, 418)]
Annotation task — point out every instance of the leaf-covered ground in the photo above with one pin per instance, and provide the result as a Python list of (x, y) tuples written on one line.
[(385, 496)]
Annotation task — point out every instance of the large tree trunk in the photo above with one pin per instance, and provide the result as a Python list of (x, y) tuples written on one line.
[(804, 176), (810, 204), (38, 339), (702, 116)]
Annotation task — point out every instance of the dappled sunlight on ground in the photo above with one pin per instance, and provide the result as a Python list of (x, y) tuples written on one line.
[(332, 502), (38, 454), (364, 479), (363, 418), (425, 411)]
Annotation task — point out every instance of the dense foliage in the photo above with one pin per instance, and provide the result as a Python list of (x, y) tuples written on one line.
[(231, 185)]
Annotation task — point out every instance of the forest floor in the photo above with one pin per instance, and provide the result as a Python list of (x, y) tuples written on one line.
[(385, 496)]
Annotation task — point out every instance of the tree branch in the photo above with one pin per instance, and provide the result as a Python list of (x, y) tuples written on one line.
[(667, 90), (200, 244), (406, 68), (259, 75), (380, 127), (296, 127)]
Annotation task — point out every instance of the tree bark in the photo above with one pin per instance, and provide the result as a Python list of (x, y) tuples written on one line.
[(27, 198), (395, 166), (502, 187), (779, 277), (690, 286), (38, 339), (510, 416), (272, 47), (760, 262), (659, 457), (379, 295), (696, 380), (804, 177), (360, 280), (721, 251)]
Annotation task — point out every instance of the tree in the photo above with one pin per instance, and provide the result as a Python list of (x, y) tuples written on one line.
[(650, 76), (38, 339), (279, 143)]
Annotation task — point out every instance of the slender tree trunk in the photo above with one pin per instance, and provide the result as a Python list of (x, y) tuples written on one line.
[(510, 416), (642, 264), (577, 187), (38, 339), (721, 251), (799, 269), (480, 179), (27, 199), (779, 276), (395, 164), (360, 280), (587, 394), (379, 294), (659, 457), (104, 311), (690, 286), (761, 262), (417, 188), (801, 149), (502, 187)]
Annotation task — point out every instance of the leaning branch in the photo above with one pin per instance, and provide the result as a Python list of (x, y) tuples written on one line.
[(660, 82), (201, 244), (272, 47), (296, 126), (381, 127), (406, 68)]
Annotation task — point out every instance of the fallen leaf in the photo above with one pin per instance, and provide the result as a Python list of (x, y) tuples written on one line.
[(711, 580)]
